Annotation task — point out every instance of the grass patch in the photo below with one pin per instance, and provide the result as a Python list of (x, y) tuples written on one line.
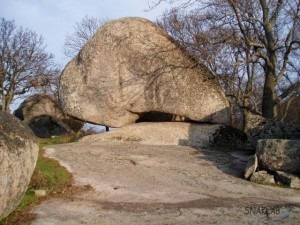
[(49, 176), (57, 140)]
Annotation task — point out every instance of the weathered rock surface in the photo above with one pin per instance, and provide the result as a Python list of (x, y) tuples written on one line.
[(279, 155), (18, 155), (43, 115), (173, 133), (262, 177), (131, 67), (155, 185), (291, 180), (263, 128), (251, 167)]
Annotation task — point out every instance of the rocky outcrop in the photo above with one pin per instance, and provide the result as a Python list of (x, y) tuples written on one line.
[(263, 128), (173, 133), (131, 67), (275, 156), (279, 154), (18, 155), (44, 116)]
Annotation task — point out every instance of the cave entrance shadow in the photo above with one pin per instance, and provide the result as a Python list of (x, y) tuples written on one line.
[(230, 161), (45, 127)]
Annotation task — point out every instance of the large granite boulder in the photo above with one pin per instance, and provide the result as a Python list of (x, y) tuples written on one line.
[(18, 155), (131, 67), (279, 155), (173, 133), (43, 115)]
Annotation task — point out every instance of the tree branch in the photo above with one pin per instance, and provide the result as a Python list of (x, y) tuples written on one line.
[(287, 92)]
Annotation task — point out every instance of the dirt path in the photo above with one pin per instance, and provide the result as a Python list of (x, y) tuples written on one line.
[(140, 184)]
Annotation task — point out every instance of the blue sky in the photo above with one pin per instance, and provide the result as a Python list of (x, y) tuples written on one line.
[(54, 19)]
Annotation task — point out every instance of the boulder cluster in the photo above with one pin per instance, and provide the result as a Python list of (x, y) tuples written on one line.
[(277, 152), (131, 71), (275, 161), (43, 115)]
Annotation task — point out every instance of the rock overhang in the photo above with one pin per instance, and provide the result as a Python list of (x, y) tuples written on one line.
[(131, 66)]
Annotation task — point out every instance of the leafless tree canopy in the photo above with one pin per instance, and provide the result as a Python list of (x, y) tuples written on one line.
[(83, 31), (251, 46), (24, 63)]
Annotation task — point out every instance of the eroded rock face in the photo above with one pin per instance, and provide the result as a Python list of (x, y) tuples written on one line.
[(131, 67), (44, 116), (18, 155), (279, 155)]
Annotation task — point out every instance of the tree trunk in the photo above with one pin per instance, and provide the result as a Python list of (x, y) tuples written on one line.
[(5, 104), (246, 120), (268, 101), (245, 111), (231, 111)]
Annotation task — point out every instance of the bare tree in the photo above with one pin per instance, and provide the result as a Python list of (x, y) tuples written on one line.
[(83, 31), (24, 63), (52, 84), (221, 52), (263, 38)]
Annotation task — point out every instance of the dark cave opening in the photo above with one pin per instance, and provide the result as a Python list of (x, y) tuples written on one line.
[(45, 127)]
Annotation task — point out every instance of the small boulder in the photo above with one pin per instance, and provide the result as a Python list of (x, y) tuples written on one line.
[(40, 193), (251, 166), (131, 67), (45, 118), (262, 177), (291, 180), (18, 156), (279, 155)]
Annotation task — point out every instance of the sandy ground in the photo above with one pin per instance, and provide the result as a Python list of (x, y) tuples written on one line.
[(144, 184)]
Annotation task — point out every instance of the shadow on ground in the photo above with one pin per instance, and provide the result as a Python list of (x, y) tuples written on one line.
[(225, 155)]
